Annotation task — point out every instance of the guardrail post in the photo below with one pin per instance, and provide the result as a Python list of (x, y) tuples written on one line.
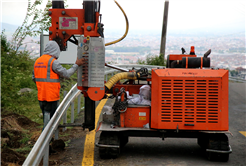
[(57, 134), (79, 103), (46, 151), (72, 110), (65, 115)]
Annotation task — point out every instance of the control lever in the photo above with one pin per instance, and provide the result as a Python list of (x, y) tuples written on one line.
[(207, 53), (183, 50)]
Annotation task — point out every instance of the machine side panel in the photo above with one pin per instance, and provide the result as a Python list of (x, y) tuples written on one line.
[(136, 116), (191, 99), (225, 100), (155, 100)]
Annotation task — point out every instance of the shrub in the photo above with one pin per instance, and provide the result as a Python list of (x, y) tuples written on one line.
[(153, 60), (16, 73)]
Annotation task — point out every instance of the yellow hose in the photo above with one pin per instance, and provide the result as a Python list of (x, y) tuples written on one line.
[(120, 76), (127, 25)]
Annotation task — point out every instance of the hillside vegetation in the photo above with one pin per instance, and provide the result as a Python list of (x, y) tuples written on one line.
[(16, 74), (21, 117)]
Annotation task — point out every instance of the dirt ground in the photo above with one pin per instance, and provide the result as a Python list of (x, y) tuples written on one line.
[(19, 134)]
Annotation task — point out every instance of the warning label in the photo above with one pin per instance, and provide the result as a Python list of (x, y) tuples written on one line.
[(142, 118), (68, 22)]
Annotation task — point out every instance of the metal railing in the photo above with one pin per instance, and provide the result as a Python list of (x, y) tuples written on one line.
[(41, 147), (236, 79)]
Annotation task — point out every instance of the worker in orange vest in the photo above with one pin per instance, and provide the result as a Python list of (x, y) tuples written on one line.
[(46, 74)]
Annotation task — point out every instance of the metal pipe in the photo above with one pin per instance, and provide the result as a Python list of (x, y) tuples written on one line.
[(41, 43), (89, 114), (117, 68), (107, 146)]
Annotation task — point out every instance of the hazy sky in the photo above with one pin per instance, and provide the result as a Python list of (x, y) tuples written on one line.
[(148, 15)]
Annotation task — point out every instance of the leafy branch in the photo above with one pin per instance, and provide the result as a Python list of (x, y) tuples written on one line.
[(36, 21)]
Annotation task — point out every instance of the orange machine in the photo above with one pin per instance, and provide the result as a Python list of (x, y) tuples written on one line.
[(188, 100)]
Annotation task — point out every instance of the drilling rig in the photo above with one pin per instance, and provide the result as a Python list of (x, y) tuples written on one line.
[(185, 99)]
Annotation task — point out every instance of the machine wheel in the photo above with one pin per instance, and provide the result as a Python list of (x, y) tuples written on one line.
[(218, 142), (109, 138)]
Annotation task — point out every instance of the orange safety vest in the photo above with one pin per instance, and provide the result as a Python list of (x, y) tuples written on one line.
[(47, 81)]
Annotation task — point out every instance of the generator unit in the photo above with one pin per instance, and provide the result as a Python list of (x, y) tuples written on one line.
[(188, 100)]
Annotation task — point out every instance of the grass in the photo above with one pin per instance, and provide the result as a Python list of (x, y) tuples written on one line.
[(28, 104), (24, 149), (67, 142)]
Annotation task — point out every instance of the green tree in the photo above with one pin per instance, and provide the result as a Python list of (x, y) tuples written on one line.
[(36, 21), (234, 73), (153, 60), (5, 45)]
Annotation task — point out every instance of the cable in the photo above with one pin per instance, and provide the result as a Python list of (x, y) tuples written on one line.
[(127, 25)]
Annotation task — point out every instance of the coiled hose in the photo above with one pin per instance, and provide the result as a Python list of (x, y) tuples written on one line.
[(120, 76)]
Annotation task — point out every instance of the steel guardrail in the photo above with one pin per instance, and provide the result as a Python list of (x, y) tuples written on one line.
[(38, 149), (237, 79)]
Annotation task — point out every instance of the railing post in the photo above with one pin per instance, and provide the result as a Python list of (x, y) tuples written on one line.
[(46, 151), (79, 103), (65, 115), (72, 110), (57, 134)]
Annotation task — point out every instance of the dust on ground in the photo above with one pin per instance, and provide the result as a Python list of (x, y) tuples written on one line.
[(19, 134)]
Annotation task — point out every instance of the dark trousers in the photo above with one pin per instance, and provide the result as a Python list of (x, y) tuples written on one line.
[(48, 107)]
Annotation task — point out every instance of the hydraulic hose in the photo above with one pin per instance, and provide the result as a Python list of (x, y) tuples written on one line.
[(127, 25), (120, 76)]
